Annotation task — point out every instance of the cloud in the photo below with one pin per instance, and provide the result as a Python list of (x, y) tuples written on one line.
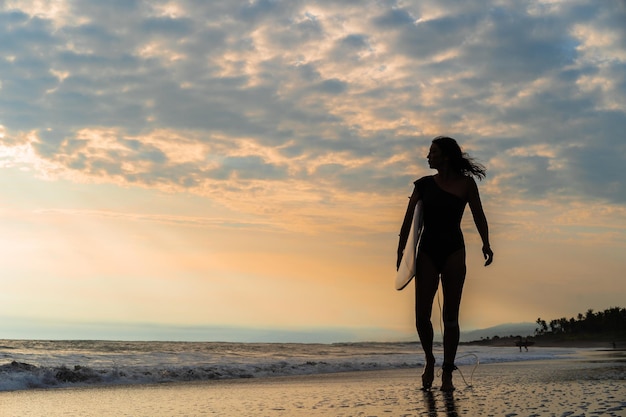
[(393, 18), (322, 101)]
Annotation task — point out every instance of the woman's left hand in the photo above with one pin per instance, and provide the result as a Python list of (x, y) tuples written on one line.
[(488, 254)]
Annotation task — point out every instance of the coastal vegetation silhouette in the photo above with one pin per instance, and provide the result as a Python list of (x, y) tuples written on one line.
[(608, 323)]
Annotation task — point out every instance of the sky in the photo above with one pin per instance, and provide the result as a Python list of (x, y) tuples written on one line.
[(239, 170)]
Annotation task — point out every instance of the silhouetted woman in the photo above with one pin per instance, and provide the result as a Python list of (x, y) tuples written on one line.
[(441, 252)]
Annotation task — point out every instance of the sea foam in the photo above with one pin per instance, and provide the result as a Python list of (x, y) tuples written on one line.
[(26, 364)]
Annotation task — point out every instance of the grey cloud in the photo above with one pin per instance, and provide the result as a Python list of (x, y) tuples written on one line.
[(185, 175), (297, 35), (108, 11), (209, 40), (355, 41), (599, 171), (143, 152), (51, 141), (92, 36), (167, 26), (258, 8), (91, 66), (533, 177), (349, 47), (20, 34), (352, 178), (333, 86), (308, 72), (279, 93), (425, 39), (11, 17), (248, 167), (79, 154), (394, 18), (192, 112), (225, 110), (613, 15), (377, 183), (309, 29), (519, 47), (589, 157)]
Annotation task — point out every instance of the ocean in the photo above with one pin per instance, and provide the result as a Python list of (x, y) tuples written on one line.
[(37, 364)]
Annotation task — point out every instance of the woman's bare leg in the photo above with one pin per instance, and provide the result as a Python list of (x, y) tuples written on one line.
[(452, 280), (426, 283)]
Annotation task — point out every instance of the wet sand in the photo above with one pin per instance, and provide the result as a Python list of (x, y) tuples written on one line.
[(594, 385)]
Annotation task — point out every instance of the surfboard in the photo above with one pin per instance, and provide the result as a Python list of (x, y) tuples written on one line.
[(406, 270)]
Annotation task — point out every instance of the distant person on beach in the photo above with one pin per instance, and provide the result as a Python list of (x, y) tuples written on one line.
[(522, 343), (441, 252)]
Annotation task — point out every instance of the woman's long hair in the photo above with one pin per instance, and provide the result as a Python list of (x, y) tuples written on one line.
[(459, 161)]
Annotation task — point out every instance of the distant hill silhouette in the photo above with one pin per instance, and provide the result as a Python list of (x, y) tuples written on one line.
[(502, 330)]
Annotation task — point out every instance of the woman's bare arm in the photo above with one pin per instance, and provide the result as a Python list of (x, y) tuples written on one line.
[(480, 220)]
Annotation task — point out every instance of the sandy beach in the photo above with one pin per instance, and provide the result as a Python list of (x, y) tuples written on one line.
[(591, 385)]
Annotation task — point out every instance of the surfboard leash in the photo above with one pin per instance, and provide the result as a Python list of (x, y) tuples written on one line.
[(470, 384)]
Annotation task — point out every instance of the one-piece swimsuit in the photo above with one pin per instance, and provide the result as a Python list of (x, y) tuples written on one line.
[(442, 235)]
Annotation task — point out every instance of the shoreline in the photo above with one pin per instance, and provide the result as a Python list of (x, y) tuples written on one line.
[(586, 358), (532, 356), (591, 383)]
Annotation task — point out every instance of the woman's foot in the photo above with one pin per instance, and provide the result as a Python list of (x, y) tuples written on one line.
[(446, 377), (429, 374)]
